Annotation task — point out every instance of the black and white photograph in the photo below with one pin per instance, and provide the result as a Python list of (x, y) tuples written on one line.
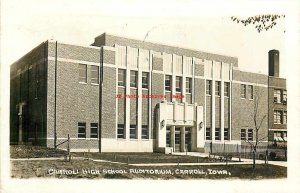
[(115, 95)]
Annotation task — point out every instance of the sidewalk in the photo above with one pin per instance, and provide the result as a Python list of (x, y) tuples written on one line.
[(196, 154), (243, 160)]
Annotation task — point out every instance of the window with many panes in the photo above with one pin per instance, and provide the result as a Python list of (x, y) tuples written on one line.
[(145, 132), (121, 77), (145, 80), (243, 91), (81, 130), (277, 117), (95, 74), (133, 79), (277, 96), (284, 117), (168, 83), (94, 130), (208, 87), (178, 83), (132, 131), (284, 97), (218, 88), (226, 89), (121, 131), (188, 85), (82, 73), (208, 133), (250, 134), (250, 91), (243, 134), (168, 137), (217, 134), (226, 134)]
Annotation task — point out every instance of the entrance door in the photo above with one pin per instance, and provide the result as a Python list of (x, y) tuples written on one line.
[(188, 141), (177, 139)]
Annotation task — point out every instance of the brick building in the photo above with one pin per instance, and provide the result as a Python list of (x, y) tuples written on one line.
[(277, 102), (125, 95)]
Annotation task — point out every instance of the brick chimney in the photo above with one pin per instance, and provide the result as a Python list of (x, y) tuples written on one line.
[(274, 63)]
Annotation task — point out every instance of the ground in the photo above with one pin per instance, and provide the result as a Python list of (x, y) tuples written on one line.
[(31, 164)]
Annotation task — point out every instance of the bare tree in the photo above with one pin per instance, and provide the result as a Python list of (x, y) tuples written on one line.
[(258, 117), (261, 22)]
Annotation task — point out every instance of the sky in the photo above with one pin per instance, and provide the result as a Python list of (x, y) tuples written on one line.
[(25, 24)]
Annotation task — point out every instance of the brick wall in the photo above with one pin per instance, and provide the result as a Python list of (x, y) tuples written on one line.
[(243, 111), (218, 112), (199, 70), (250, 77), (73, 52), (133, 107), (109, 104), (110, 40), (108, 57), (208, 111), (121, 106), (29, 86), (275, 83), (157, 88), (157, 63), (145, 109)]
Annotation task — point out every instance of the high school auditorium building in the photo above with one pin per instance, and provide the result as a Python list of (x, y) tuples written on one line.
[(125, 95)]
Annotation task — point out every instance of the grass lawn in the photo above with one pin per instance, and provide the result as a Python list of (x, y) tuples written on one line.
[(138, 158), (45, 168), (93, 169)]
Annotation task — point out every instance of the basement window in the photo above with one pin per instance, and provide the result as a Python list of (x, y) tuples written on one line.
[(82, 73), (81, 130)]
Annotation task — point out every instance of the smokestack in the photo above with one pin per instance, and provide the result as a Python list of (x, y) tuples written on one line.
[(274, 63)]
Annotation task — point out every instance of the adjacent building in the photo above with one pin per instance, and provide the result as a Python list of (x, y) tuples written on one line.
[(277, 102), (126, 95)]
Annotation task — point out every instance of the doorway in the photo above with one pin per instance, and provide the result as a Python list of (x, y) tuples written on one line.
[(177, 139)]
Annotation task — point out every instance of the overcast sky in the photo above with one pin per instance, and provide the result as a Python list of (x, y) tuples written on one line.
[(27, 23)]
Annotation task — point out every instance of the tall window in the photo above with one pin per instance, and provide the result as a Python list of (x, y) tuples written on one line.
[(250, 134), (243, 91), (82, 73), (218, 88), (168, 137), (81, 130), (168, 82), (250, 90), (133, 132), (188, 85), (121, 133), (133, 79), (208, 133), (277, 96), (284, 97), (121, 77), (226, 134), (217, 134), (94, 130), (208, 87), (95, 74), (243, 134), (277, 117), (145, 80), (37, 81), (145, 132), (226, 89), (284, 117), (178, 83)]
